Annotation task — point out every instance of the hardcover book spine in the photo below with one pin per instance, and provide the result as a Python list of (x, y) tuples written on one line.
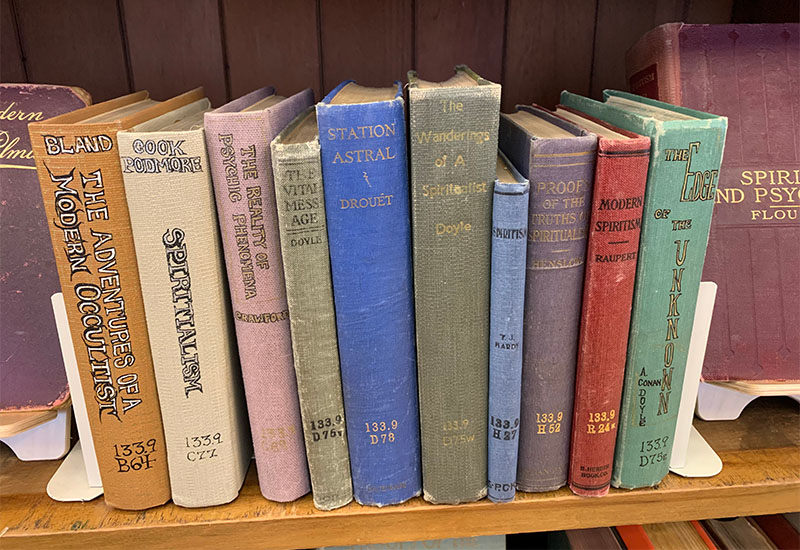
[(656, 64), (683, 175), (561, 173), (557, 232), (611, 257), (509, 242), (368, 227), (452, 217), (241, 169), (309, 291), (188, 313), (84, 198)]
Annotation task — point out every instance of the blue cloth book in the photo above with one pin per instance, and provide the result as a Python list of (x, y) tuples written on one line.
[(363, 152), (509, 248)]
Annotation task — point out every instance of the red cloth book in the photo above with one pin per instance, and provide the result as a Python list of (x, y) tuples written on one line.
[(779, 531), (748, 73), (634, 537), (616, 215)]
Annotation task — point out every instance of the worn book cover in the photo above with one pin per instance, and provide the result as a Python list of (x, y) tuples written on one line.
[(309, 292), (182, 270), (31, 368), (612, 252), (364, 168), (748, 73), (453, 127), (509, 245), (238, 135), (77, 159), (559, 159), (685, 154)]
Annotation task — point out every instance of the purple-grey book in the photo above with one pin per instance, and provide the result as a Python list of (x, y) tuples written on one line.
[(32, 375), (558, 159)]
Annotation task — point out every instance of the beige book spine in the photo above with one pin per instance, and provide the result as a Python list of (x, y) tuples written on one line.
[(179, 252)]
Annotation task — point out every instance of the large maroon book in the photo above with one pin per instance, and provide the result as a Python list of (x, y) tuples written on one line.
[(32, 375), (611, 256), (750, 74)]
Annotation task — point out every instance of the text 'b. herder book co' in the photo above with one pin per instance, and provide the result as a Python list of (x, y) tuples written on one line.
[(238, 135), (364, 168), (453, 126), (309, 292), (79, 172), (685, 155), (182, 270), (611, 255)]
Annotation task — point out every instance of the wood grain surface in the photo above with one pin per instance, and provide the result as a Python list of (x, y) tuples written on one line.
[(761, 475), (175, 46), (230, 47), (77, 43), (272, 43)]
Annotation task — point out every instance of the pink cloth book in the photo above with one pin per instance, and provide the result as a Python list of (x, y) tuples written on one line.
[(241, 168)]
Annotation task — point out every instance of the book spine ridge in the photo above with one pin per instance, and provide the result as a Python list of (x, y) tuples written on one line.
[(509, 244), (452, 209), (84, 197), (367, 211), (309, 291), (241, 170)]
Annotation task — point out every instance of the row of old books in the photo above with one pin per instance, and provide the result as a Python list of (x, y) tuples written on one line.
[(400, 316), (778, 531)]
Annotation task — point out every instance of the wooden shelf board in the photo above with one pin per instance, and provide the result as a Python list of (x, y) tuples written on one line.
[(761, 475)]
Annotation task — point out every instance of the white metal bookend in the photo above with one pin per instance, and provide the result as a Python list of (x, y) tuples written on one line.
[(692, 456), (78, 477)]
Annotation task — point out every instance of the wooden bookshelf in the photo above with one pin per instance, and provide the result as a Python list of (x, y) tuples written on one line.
[(761, 475)]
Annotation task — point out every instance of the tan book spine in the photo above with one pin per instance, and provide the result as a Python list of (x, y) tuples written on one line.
[(84, 199), (181, 266)]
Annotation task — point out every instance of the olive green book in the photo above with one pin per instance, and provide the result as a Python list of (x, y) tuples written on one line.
[(309, 292), (453, 134)]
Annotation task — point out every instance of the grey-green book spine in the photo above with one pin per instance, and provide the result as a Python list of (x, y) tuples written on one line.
[(309, 292), (453, 136)]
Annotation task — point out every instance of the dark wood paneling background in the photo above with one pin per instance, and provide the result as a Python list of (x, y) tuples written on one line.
[(535, 48)]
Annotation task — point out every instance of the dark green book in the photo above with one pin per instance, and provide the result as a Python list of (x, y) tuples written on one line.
[(685, 156), (309, 292), (453, 135)]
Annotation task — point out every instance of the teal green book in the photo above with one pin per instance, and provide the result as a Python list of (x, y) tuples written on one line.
[(685, 156)]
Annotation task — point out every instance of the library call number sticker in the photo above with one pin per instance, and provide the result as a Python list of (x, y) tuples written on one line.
[(135, 456)]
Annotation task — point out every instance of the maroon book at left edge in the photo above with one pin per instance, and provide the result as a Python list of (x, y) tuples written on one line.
[(32, 375)]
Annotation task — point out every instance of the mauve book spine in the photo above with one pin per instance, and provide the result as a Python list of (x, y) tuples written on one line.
[(561, 172), (509, 242), (241, 169), (31, 360), (748, 73)]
